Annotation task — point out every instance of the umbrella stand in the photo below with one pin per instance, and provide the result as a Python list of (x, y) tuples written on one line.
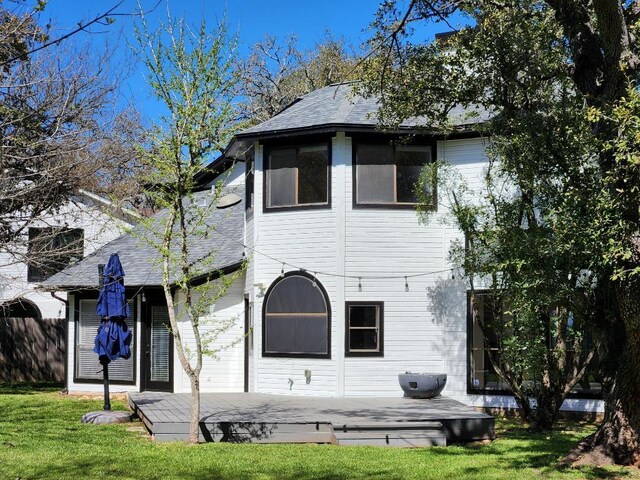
[(105, 379), (105, 352)]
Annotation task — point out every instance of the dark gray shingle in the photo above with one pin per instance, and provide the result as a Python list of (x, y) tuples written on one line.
[(220, 247), (338, 105)]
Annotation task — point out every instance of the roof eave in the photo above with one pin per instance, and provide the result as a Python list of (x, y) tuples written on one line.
[(347, 128), (210, 275)]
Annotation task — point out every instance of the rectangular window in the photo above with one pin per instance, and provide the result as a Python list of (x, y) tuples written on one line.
[(364, 332), (249, 176), (387, 174), (87, 365), (481, 372), (483, 346), (297, 176), (51, 249)]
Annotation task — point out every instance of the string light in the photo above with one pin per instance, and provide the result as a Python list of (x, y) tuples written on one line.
[(406, 285), (359, 284), (330, 274), (453, 274), (282, 271), (315, 285)]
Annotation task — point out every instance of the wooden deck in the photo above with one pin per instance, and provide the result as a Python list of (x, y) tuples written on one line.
[(263, 418)]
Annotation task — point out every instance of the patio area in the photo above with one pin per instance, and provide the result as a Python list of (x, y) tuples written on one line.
[(264, 418)]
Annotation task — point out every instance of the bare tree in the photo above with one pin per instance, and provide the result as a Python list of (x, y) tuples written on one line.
[(277, 72), (61, 128)]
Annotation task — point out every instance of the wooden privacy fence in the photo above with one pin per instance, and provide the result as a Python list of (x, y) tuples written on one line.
[(32, 350)]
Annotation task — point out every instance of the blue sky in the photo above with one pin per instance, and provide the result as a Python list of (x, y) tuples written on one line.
[(252, 19)]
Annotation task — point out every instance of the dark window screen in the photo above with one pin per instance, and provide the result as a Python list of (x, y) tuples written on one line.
[(297, 335), (296, 318), (312, 174), (387, 174), (249, 172), (409, 163), (375, 174), (281, 178), (298, 176)]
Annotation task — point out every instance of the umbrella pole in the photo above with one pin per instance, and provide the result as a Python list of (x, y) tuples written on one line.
[(105, 379)]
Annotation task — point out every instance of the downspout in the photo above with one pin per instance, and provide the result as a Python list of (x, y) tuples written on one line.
[(63, 300)]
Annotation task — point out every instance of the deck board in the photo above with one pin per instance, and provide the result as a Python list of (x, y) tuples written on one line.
[(264, 418)]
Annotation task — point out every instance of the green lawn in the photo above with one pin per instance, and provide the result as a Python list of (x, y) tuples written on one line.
[(41, 437)]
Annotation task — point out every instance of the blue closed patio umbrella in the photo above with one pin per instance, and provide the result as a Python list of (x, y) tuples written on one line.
[(113, 340)]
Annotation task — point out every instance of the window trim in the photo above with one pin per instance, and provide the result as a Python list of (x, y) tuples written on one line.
[(31, 276), (500, 392), (266, 150), (133, 346), (380, 351), (250, 176), (322, 290), (376, 140)]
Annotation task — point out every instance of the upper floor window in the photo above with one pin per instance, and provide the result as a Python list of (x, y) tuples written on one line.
[(297, 176), (387, 175), (52, 249)]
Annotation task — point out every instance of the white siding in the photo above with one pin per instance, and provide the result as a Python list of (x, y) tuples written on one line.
[(306, 239), (224, 373), (424, 327), (99, 229), (470, 161)]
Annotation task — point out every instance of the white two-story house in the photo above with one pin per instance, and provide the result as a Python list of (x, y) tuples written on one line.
[(32, 322), (345, 288)]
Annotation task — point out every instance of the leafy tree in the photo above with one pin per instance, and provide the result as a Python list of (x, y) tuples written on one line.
[(540, 69), (191, 74), (276, 73)]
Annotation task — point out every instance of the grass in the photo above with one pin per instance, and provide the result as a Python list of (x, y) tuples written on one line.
[(41, 437)]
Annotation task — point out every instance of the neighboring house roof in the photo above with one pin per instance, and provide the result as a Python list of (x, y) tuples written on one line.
[(215, 250), (337, 106), (122, 213)]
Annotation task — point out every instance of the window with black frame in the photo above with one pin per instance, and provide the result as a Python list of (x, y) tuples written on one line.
[(51, 249), (387, 175), (296, 320), (297, 176), (249, 176), (484, 346), (364, 328)]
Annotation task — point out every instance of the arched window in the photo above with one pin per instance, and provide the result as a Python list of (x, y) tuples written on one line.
[(296, 319), (21, 308)]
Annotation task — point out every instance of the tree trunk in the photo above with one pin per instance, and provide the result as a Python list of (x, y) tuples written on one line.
[(194, 424), (546, 413), (618, 436)]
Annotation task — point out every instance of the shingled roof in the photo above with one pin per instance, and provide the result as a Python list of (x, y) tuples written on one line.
[(219, 248), (338, 107)]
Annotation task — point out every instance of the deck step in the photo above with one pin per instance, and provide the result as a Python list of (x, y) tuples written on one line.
[(382, 426), (427, 438), (392, 434)]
